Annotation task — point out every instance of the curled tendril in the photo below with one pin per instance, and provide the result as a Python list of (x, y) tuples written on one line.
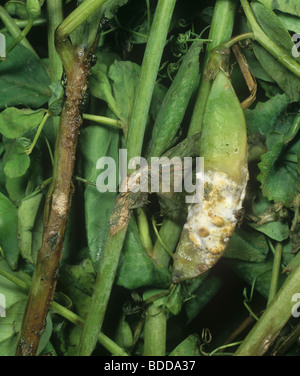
[(172, 68), (183, 23), (206, 337)]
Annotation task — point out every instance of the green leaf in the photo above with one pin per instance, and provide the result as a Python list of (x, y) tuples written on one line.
[(55, 103), (264, 117), (259, 272), (136, 268), (201, 296), (15, 123), (287, 6), (94, 143), (292, 23), (111, 7), (276, 230), (100, 84), (77, 282), (8, 231), (247, 244), (23, 79), (17, 161), (278, 177), (27, 212), (286, 80), (115, 84), (189, 347), (272, 26), (124, 75)]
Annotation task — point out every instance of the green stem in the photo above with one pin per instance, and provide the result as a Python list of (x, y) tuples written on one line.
[(169, 234), (21, 36), (22, 23), (220, 32), (13, 29), (148, 76), (272, 320), (143, 225), (37, 135), (155, 331), (293, 131), (156, 318), (275, 272), (160, 244), (80, 14), (103, 120), (102, 290), (55, 18), (281, 55)]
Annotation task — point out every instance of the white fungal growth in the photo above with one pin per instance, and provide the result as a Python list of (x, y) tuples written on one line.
[(209, 226)]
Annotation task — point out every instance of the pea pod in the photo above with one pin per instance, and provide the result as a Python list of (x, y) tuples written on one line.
[(211, 222), (174, 105)]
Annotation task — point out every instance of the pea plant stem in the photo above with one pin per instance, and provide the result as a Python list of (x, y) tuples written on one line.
[(220, 31), (55, 18), (148, 75), (56, 213), (276, 315), (155, 331), (137, 125), (275, 272), (13, 29), (103, 120)]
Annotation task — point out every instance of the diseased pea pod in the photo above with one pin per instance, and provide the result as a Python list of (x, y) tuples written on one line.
[(211, 222)]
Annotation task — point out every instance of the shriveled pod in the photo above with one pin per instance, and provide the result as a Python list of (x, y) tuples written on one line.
[(211, 222)]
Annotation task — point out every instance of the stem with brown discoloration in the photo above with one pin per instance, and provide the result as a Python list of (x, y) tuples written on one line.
[(56, 211)]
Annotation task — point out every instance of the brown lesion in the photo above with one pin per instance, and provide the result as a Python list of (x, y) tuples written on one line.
[(249, 78)]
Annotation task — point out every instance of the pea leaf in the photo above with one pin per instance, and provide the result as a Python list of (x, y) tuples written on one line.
[(94, 143), (264, 117), (100, 84), (258, 273), (124, 76), (23, 79), (27, 212), (116, 85), (287, 6), (15, 123), (136, 268), (286, 80), (55, 103), (272, 26), (247, 244), (188, 347), (111, 6), (278, 177), (16, 160), (277, 230), (292, 23), (8, 231)]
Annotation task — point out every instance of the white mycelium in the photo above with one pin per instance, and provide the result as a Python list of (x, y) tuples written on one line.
[(209, 225)]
